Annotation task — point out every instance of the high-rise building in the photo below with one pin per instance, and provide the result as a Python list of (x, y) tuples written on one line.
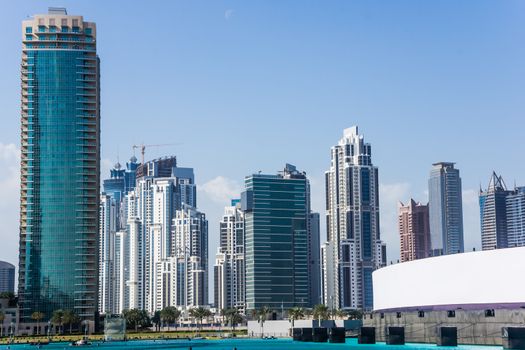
[(113, 243), (314, 260), (106, 247), (414, 231), (189, 258), (143, 246), (276, 229), (493, 214), (229, 269), (516, 217), (7, 277), (445, 209), (60, 166), (352, 219)]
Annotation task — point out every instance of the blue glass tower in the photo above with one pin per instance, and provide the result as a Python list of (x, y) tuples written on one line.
[(60, 166), (445, 209)]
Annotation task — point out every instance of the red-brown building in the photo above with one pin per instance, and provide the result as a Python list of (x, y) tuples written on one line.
[(414, 231)]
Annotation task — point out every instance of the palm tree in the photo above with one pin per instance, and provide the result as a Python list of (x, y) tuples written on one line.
[(339, 314), (233, 317), (37, 316), (133, 317), (262, 315), (156, 319), (199, 313), (169, 314), (224, 315), (2, 318), (355, 314), (58, 319), (70, 318), (320, 312), (295, 313)]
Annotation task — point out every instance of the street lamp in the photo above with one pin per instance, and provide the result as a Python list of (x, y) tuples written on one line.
[(12, 329)]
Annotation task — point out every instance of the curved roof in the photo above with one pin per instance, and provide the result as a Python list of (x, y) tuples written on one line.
[(6, 265), (475, 280)]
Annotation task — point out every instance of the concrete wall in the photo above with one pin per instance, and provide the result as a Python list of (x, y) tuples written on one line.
[(473, 327), (281, 328)]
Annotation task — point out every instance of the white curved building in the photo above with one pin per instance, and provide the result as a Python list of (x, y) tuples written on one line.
[(477, 280), (468, 298)]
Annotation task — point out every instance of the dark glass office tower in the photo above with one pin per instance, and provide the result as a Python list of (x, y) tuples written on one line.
[(276, 211), (60, 166)]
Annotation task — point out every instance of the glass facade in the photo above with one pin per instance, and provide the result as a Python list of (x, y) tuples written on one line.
[(276, 209), (445, 210), (59, 176)]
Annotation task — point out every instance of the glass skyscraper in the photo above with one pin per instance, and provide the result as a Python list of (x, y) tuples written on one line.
[(276, 211), (445, 209), (60, 166), (493, 214)]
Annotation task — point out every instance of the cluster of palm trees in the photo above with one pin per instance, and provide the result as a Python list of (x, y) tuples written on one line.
[(170, 315), (318, 312), (60, 318)]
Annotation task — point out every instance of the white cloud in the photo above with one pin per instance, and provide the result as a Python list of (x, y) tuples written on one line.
[(105, 166), (389, 197), (221, 190), (228, 14), (9, 201)]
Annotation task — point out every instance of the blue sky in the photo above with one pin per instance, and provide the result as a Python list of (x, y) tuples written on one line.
[(250, 85)]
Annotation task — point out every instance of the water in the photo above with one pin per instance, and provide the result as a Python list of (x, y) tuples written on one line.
[(245, 344)]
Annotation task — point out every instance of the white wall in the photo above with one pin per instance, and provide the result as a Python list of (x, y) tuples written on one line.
[(484, 277)]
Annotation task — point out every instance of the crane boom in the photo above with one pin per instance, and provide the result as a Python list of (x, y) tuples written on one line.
[(143, 147)]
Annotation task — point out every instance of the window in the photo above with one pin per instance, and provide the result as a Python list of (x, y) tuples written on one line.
[(29, 37), (451, 313), (29, 30), (421, 314), (65, 29), (53, 29), (88, 31), (382, 315), (75, 29), (41, 28), (51, 21), (398, 314), (63, 22), (490, 313)]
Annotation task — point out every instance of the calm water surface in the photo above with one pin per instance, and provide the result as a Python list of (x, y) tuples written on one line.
[(244, 344)]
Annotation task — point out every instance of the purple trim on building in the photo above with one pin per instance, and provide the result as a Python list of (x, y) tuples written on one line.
[(468, 307)]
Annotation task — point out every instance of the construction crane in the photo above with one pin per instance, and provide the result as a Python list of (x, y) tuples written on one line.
[(143, 147)]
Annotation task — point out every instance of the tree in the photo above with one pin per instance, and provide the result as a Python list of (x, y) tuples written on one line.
[(339, 314), (2, 318), (262, 315), (295, 313), (70, 318), (136, 318), (199, 313), (37, 316), (224, 316), (156, 319), (58, 319), (170, 314), (320, 312), (233, 317), (355, 314)]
